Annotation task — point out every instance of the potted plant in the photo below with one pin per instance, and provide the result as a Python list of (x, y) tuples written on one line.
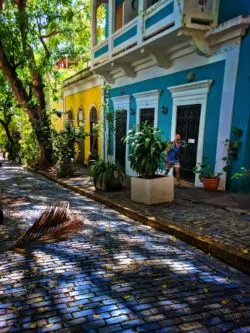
[(207, 176), (147, 158), (107, 176)]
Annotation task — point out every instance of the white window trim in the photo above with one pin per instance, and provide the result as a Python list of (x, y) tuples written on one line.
[(188, 94), (122, 103), (146, 100)]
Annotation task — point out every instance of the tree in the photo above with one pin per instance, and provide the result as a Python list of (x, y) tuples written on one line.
[(34, 34), (8, 119)]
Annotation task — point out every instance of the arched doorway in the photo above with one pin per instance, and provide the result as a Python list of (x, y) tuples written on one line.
[(93, 120), (80, 123)]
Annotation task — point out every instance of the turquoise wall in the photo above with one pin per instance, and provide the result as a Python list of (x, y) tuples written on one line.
[(231, 8), (241, 115), (214, 72)]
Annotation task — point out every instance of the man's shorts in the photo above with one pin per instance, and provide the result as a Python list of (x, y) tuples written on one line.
[(173, 164)]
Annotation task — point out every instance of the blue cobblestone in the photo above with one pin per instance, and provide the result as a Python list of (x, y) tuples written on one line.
[(83, 313), (117, 320), (115, 275)]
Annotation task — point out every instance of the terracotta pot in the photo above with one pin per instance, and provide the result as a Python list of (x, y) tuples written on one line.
[(211, 184)]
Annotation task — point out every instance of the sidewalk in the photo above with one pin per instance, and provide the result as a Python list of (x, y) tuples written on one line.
[(218, 223)]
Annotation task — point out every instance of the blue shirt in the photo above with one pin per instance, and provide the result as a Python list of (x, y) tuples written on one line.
[(174, 154)]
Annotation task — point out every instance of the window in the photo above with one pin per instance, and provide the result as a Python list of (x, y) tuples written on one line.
[(80, 117), (147, 115)]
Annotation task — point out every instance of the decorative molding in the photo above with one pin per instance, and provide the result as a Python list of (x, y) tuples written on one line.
[(82, 85), (108, 77), (188, 94), (188, 90), (121, 102), (159, 59), (128, 70), (148, 99), (197, 40)]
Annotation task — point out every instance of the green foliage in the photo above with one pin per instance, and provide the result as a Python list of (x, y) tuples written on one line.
[(244, 173), (64, 148), (233, 147), (205, 170), (30, 152), (107, 176), (34, 36), (146, 150)]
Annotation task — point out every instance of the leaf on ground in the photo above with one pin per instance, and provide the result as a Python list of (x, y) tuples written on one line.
[(225, 301), (48, 325), (164, 285), (206, 290), (127, 297), (245, 251), (39, 299)]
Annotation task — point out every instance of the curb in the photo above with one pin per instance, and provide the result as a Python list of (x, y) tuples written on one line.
[(216, 249)]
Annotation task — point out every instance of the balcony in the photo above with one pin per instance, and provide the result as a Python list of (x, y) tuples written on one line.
[(152, 32)]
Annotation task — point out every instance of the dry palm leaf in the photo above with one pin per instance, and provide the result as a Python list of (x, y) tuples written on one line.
[(55, 223)]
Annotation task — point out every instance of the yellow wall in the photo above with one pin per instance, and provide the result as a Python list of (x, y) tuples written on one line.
[(86, 99), (57, 123)]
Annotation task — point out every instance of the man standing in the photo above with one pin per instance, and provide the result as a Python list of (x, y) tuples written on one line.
[(173, 158)]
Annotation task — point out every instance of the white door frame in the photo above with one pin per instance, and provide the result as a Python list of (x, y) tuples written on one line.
[(122, 103), (147, 100), (188, 94)]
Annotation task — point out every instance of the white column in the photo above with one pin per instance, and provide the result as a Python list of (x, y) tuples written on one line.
[(140, 28), (226, 112), (111, 25)]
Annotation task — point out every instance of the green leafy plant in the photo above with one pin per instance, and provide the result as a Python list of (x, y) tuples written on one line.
[(205, 170), (232, 147), (64, 149), (245, 173), (107, 176), (147, 148)]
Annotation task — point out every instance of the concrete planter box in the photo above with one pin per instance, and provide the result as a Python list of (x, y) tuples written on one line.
[(152, 191)]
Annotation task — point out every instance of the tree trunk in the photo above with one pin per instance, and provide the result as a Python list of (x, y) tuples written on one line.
[(7, 131), (44, 137)]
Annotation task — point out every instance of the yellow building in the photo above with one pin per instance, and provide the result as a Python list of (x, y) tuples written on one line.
[(82, 105), (57, 118)]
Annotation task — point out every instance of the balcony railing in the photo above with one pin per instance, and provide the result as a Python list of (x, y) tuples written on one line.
[(162, 18), (125, 37), (100, 52)]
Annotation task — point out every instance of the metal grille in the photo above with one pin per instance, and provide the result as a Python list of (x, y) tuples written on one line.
[(120, 133), (147, 115), (188, 121)]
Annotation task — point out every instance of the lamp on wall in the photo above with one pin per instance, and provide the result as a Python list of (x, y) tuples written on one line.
[(164, 110), (132, 112)]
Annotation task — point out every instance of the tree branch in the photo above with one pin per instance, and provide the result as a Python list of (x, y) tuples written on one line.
[(15, 83)]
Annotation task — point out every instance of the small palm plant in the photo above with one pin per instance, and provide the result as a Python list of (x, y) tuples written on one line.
[(107, 176)]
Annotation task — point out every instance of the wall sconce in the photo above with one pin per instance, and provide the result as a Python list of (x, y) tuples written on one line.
[(164, 110), (132, 112)]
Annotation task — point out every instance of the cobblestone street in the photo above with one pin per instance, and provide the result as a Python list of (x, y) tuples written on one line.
[(116, 275)]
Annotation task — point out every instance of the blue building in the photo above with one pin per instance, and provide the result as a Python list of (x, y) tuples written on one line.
[(183, 65)]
